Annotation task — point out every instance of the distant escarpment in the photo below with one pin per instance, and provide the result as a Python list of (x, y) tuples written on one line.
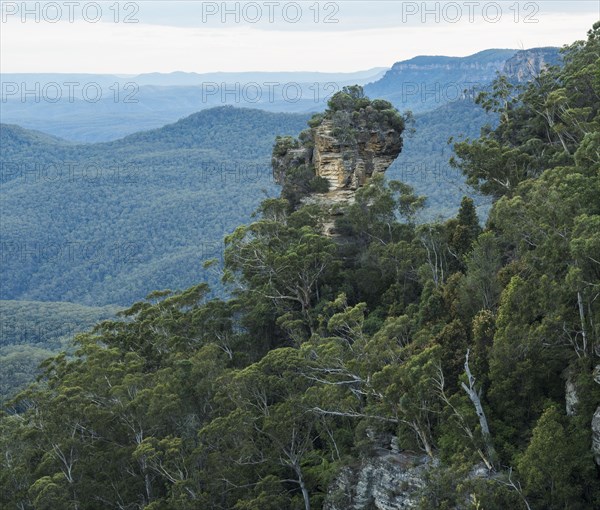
[(354, 139), (527, 64)]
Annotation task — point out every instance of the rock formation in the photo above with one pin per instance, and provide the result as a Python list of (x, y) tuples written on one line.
[(388, 481), (527, 64), (355, 139), (346, 168), (571, 394)]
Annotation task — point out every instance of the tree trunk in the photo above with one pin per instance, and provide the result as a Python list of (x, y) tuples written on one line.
[(303, 488), (422, 435), (582, 319), (483, 423)]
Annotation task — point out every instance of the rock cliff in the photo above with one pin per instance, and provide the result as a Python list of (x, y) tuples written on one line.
[(348, 166), (353, 140), (425, 83), (527, 64)]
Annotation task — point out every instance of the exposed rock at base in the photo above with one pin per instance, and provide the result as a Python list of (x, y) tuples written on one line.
[(390, 481), (333, 203), (596, 435), (571, 395)]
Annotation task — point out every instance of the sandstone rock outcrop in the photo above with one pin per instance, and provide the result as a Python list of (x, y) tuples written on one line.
[(388, 480), (349, 167), (344, 147), (571, 395)]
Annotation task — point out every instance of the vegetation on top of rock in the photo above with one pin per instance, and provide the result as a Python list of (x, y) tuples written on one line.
[(354, 130)]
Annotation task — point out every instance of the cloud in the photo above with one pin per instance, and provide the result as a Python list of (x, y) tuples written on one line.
[(130, 48)]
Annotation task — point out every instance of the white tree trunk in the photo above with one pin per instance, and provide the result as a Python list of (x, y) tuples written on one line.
[(475, 398)]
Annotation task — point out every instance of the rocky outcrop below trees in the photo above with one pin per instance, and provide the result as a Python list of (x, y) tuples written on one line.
[(387, 481)]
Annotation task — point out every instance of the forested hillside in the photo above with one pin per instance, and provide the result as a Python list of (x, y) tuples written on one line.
[(76, 217), (32, 331), (424, 162), (473, 352), (177, 173)]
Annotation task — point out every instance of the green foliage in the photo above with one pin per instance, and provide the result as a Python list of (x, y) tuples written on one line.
[(113, 221), (540, 128), (555, 463), (455, 341), (32, 331)]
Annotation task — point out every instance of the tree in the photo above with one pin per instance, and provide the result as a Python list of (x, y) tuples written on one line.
[(481, 288), (549, 464), (540, 127), (281, 264), (466, 230)]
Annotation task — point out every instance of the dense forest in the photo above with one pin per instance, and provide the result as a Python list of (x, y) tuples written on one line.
[(74, 216), (198, 179), (32, 331), (472, 346), (185, 173)]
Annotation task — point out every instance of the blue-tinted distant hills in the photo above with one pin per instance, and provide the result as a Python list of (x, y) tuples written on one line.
[(107, 223), (127, 104), (426, 82), (94, 108)]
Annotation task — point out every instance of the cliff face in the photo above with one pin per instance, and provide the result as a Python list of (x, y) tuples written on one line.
[(426, 82), (344, 147), (349, 167), (527, 64)]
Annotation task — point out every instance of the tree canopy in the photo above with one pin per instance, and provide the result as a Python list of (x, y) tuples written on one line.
[(464, 343)]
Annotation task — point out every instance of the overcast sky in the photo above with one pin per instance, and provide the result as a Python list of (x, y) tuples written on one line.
[(338, 36)]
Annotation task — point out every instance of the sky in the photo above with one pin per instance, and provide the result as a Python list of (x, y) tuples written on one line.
[(132, 37)]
